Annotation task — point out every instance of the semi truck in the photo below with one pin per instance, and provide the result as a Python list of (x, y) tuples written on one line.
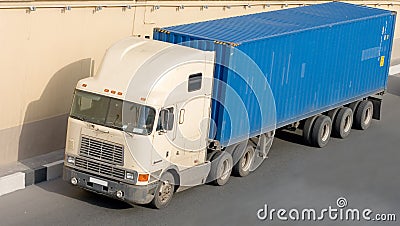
[(202, 101)]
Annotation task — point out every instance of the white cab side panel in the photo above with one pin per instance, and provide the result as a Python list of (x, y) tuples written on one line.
[(186, 143)]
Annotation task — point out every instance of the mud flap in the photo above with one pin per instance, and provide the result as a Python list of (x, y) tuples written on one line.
[(377, 102)]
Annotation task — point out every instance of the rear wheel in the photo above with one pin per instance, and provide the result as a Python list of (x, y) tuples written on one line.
[(353, 106), (242, 167), (343, 122), (332, 113), (308, 124), (363, 115), (164, 191), (221, 168), (321, 131)]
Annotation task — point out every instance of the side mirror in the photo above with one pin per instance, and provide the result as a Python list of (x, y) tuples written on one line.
[(167, 120)]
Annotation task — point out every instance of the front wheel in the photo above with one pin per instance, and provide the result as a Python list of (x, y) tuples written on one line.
[(164, 191)]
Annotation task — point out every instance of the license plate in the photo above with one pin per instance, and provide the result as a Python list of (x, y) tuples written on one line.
[(98, 181)]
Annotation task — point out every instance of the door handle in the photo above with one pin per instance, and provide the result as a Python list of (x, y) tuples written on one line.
[(181, 116)]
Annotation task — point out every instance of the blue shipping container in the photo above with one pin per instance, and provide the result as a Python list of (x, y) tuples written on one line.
[(315, 58)]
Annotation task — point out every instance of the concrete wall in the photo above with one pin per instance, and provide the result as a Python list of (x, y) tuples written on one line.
[(45, 50)]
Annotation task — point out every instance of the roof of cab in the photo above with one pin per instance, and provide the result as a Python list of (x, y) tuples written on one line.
[(133, 65)]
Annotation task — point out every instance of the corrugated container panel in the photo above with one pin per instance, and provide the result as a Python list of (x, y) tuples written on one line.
[(314, 58)]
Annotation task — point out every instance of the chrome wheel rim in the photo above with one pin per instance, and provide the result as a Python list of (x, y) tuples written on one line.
[(225, 168), (368, 116), (246, 161), (325, 132), (165, 192), (347, 123)]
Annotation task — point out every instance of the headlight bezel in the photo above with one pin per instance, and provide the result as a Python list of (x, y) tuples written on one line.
[(129, 175)]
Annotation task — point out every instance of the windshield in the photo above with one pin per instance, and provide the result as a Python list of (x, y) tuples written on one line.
[(107, 111)]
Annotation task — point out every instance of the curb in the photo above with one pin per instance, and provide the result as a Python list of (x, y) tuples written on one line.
[(395, 69), (21, 180)]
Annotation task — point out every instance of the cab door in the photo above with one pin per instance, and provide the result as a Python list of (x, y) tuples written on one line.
[(193, 116), (189, 99), (162, 144)]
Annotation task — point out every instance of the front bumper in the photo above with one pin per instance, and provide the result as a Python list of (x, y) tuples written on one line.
[(133, 194)]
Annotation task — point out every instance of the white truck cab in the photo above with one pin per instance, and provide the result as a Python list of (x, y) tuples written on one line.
[(144, 113)]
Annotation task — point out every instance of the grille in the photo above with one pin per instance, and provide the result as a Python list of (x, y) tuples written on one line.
[(103, 151), (100, 168)]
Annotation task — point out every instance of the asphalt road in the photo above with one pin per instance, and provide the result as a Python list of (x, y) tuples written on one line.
[(364, 168)]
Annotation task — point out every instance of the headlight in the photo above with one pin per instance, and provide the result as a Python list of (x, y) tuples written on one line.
[(71, 160), (130, 176)]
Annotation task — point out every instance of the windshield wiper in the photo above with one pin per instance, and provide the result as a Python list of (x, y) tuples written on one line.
[(129, 133), (119, 128), (113, 126), (116, 118), (78, 117)]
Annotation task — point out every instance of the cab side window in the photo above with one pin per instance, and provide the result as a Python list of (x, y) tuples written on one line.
[(194, 82), (167, 117)]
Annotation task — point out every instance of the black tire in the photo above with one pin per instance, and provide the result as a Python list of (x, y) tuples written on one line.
[(342, 123), (321, 131), (363, 115), (353, 106), (221, 168), (332, 113), (242, 167), (308, 124), (164, 191)]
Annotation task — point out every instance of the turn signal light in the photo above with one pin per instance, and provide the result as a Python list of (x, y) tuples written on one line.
[(84, 85), (143, 177)]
